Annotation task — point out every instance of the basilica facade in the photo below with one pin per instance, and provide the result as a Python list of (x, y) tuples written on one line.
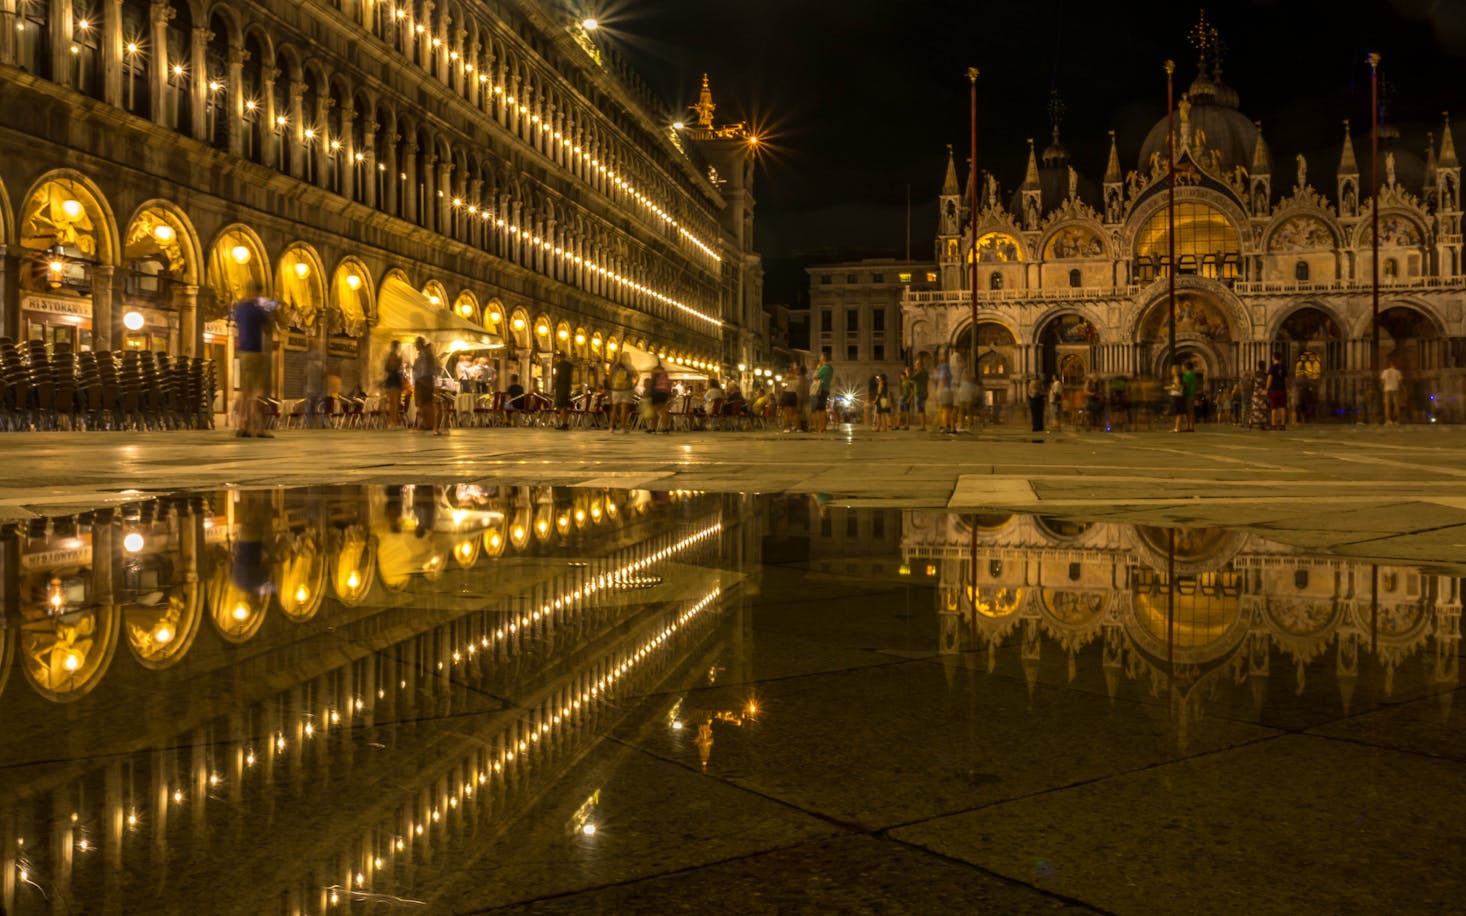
[(1073, 275)]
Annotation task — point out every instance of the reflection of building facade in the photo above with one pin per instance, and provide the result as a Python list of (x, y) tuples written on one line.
[(493, 169), (1072, 273), (1099, 594), (290, 690), (855, 316)]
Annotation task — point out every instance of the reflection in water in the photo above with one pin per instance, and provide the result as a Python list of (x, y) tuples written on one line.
[(339, 695), (348, 630), (1102, 594)]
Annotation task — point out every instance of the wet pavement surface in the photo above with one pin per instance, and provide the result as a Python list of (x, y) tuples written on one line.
[(471, 697)]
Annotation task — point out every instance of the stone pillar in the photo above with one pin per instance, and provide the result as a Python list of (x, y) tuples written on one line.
[(234, 110), (63, 62), (157, 87), (473, 88), (478, 226), (102, 325), (391, 182), (444, 197), (346, 164), (8, 18), (294, 131), (198, 85), (319, 149), (406, 184), (269, 130), (366, 169), (112, 53), (190, 332), (10, 292)]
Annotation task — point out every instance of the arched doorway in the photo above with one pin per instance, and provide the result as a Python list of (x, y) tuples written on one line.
[(1412, 341), (1312, 349), (347, 320), (66, 234), (160, 265), (237, 267), (1065, 349), (996, 362), (1204, 338), (298, 322)]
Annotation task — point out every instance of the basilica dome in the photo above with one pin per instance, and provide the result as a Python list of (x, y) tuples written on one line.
[(1214, 113)]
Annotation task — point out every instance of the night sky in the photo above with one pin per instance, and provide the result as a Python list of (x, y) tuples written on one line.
[(859, 99)]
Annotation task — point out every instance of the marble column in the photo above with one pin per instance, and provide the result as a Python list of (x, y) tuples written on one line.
[(344, 158), (63, 62), (293, 132), (447, 215), (269, 131), (112, 53), (233, 110), (198, 85), (406, 183), (10, 292), (102, 296), (157, 88), (366, 168), (190, 332)]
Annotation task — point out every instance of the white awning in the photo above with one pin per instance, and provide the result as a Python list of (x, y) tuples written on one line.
[(404, 313)]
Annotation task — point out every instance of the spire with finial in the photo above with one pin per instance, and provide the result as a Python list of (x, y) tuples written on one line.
[(1348, 165), (1055, 154), (950, 187), (1112, 168), (1448, 146), (704, 107), (1203, 37), (1430, 164), (1030, 177), (1259, 154)]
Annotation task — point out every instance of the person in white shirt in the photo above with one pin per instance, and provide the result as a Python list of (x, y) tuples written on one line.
[(1390, 380)]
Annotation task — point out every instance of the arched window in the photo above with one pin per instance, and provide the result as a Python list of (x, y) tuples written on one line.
[(1204, 237), (995, 280), (1300, 271), (1392, 267), (1076, 279)]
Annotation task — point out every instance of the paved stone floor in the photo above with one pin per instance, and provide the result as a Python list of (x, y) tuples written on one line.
[(914, 675), (1390, 493)]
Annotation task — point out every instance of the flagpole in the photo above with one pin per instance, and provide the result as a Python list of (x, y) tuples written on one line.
[(1171, 210), (972, 189), (1376, 401)]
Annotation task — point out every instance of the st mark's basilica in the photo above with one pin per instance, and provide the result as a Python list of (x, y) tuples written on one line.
[(1072, 274)]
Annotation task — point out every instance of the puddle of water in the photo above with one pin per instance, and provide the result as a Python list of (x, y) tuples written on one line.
[(310, 698)]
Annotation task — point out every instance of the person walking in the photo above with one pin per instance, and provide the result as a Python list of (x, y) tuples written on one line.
[(1190, 383), (1176, 391), (906, 398), (1257, 410), (1277, 393), (253, 321), (1056, 402), (789, 400), (1391, 380), (564, 370), (920, 384), (801, 388), (819, 393), (623, 394), (392, 384), (883, 403), (424, 390), (1036, 404), (659, 388)]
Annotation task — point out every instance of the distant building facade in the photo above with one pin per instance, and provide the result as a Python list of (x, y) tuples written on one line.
[(855, 315), (1072, 274)]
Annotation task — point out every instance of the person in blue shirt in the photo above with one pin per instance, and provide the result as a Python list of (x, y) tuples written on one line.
[(252, 316)]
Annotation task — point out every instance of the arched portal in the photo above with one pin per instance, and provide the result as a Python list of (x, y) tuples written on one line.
[(1204, 338), (1312, 347), (67, 241), (1065, 348)]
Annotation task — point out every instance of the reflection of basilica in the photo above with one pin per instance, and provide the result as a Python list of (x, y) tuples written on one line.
[(1099, 594), (1072, 273), (240, 664)]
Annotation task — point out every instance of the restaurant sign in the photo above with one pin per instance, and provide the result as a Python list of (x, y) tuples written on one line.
[(55, 305)]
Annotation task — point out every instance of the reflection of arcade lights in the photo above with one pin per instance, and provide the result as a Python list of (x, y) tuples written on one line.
[(353, 580), (302, 595), (240, 611)]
